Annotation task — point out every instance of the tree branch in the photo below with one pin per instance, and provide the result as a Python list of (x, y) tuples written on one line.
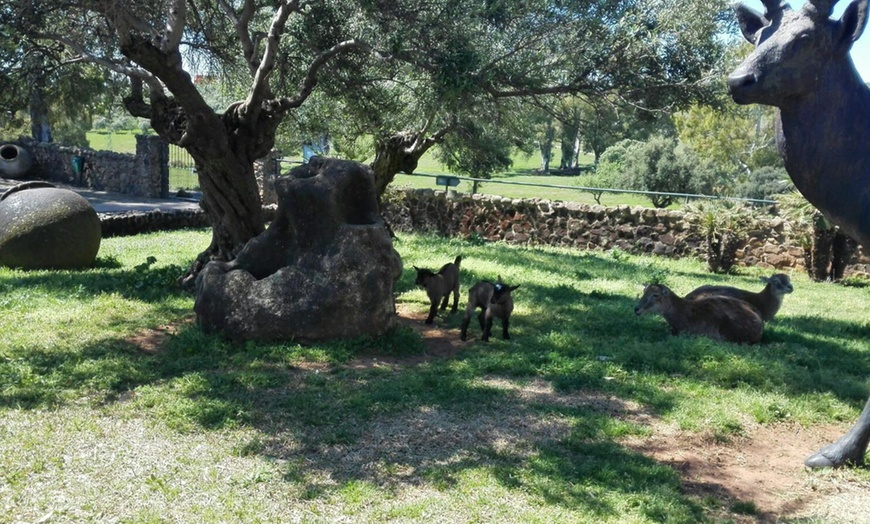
[(310, 81), (260, 86), (135, 101), (175, 22), (241, 23), (113, 65)]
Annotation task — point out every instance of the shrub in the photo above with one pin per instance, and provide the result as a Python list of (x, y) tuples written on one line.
[(764, 183), (662, 164), (724, 225)]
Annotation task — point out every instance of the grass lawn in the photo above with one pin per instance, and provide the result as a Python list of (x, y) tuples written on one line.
[(522, 171), (115, 407), (117, 141)]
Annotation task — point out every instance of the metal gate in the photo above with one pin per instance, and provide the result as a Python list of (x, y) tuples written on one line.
[(182, 170)]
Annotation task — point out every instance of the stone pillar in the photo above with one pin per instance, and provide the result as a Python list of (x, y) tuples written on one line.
[(152, 168)]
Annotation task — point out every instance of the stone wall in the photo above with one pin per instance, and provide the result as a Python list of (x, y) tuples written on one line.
[(136, 222), (636, 230), (144, 174)]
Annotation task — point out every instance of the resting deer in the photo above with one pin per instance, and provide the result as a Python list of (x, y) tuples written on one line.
[(801, 65), (439, 285), (495, 301), (767, 301), (716, 317)]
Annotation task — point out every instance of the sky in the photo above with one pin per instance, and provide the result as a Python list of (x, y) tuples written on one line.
[(860, 49)]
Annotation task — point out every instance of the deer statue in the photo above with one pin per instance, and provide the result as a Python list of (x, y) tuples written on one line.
[(801, 65)]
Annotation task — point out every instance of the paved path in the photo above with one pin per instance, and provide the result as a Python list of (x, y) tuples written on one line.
[(106, 202)]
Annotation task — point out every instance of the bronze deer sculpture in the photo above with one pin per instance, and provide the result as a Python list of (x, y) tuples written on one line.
[(801, 65)]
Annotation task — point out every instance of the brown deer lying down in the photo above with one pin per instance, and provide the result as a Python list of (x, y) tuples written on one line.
[(767, 301), (439, 285), (495, 300), (716, 317)]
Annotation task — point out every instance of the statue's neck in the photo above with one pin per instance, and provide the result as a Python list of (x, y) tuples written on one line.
[(815, 128), (824, 139)]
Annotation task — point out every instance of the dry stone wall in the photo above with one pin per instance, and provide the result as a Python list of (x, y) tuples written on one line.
[(144, 174), (636, 230)]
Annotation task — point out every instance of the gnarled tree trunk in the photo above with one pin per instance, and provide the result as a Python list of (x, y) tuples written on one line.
[(400, 153), (394, 154), (231, 199)]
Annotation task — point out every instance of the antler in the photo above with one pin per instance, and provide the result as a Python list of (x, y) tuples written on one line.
[(774, 8), (821, 8)]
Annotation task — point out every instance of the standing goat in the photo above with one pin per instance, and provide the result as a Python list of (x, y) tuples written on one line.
[(716, 317), (439, 285), (495, 301), (767, 301), (801, 65)]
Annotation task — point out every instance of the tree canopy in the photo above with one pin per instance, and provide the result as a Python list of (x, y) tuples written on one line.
[(406, 73)]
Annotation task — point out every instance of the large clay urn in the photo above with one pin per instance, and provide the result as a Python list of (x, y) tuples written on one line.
[(15, 161), (46, 227)]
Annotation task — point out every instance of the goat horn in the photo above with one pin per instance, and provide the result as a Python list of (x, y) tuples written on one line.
[(822, 8), (774, 8)]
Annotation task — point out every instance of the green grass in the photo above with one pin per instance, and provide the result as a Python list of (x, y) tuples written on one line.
[(117, 141), (96, 424), (523, 170)]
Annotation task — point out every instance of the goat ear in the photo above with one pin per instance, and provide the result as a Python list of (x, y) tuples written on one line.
[(417, 268), (513, 287), (851, 25), (764, 279), (499, 279), (750, 22)]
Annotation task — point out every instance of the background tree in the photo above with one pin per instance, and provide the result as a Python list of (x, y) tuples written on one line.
[(663, 165), (764, 183), (736, 140), (467, 59), (45, 98)]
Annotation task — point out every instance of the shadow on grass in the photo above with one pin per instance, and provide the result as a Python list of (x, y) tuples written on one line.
[(442, 422), (144, 282)]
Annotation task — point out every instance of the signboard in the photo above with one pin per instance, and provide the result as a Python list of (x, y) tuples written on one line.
[(447, 180)]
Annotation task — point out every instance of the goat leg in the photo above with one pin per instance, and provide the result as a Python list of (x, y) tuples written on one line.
[(504, 329), (432, 311), (848, 449), (444, 301), (455, 301), (463, 335), (487, 332)]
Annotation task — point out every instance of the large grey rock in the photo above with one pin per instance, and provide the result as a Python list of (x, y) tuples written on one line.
[(325, 268), (46, 227)]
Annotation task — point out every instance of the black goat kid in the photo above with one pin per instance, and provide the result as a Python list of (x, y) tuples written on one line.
[(439, 285), (495, 300)]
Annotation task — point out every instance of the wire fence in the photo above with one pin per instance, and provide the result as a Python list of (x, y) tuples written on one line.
[(182, 175), (448, 181)]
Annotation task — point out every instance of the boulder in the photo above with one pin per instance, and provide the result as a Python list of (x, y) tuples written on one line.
[(46, 227), (325, 268)]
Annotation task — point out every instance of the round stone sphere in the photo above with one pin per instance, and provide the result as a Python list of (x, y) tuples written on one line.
[(46, 227)]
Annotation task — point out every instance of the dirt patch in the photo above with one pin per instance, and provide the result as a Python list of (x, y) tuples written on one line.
[(152, 340), (761, 471), (440, 341)]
